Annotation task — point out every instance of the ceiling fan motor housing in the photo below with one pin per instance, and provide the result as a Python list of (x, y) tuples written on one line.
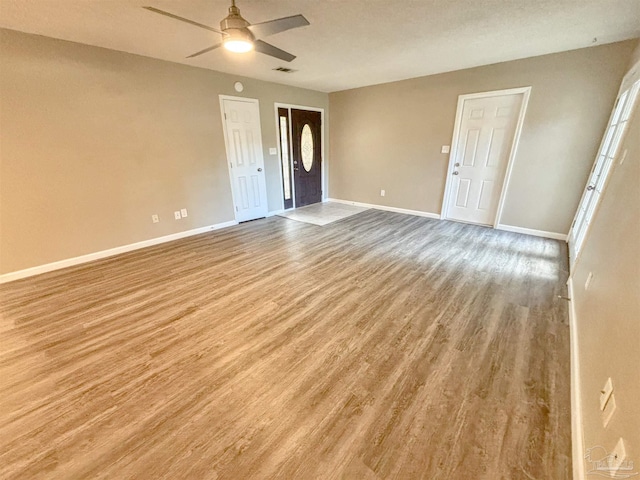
[(235, 26)]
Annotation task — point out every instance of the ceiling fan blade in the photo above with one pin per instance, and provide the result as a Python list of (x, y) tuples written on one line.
[(186, 20), (268, 49), (205, 50), (271, 27)]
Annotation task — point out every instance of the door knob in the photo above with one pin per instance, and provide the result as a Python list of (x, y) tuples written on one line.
[(455, 173), (457, 165), (590, 187), (259, 169)]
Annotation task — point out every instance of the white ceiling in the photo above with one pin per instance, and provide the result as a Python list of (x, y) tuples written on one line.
[(350, 43)]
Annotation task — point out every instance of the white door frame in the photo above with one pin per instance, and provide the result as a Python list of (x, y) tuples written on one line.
[(255, 101), (323, 165), (526, 92)]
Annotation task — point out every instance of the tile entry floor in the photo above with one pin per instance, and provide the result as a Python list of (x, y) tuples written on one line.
[(322, 213)]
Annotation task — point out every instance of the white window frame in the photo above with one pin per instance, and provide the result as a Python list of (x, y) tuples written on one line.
[(605, 161)]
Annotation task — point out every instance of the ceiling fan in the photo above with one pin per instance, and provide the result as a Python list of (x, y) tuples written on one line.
[(240, 36)]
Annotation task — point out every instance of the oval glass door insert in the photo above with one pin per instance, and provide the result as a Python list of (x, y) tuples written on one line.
[(306, 147)]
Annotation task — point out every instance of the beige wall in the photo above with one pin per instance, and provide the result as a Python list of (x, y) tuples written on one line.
[(389, 136), (608, 314), (93, 142)]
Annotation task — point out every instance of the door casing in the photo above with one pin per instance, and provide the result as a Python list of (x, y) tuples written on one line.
[(526, 92), (323, 165)]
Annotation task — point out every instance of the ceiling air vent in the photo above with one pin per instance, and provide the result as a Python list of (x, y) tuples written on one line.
[(285, 70)]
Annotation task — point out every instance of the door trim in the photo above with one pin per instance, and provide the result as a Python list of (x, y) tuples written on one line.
[(526, 93), (323, 164), (255, 101)]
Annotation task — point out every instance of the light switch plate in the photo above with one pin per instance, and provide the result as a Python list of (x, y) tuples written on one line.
[(183, 212), (273, 151), (155, 218), (177, 215), (605, 393), (609, 410), (445, 149)]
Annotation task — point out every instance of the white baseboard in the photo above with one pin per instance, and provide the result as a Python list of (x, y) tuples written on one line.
[(577, 441), (535, 233), (419, 213), (508, 228), (70, 262)]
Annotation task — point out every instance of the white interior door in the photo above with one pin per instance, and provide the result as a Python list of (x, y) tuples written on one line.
[(246, 163), (481, 155), (609, 150)]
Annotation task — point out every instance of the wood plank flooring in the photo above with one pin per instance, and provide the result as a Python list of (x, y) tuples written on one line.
[(382, 346)]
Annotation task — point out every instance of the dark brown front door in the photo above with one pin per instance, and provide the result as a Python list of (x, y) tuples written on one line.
[(306, 130)]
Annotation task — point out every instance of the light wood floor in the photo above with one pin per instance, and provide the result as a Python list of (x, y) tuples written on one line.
[(382, 346)]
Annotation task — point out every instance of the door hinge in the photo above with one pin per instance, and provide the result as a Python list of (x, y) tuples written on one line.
[(236, 208), (231, 164), (225, 115)]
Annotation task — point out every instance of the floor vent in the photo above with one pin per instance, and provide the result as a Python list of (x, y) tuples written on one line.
[(285, 70)]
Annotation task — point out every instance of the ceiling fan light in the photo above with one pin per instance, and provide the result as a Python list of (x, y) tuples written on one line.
[(238, 40), (238, 45)]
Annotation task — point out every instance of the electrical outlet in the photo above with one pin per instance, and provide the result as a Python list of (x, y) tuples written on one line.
[(273, 151), (445, 149), (155, 218), (588, 282), (382, 193), (177, 215), (183, 212), (617, 457)]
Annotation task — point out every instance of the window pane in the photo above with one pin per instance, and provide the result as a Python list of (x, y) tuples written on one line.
[(628, 108), (604, 175), (306, 147), (607, 139), (597, 171), (591, 208), (621, 102), (579, 219), (613, 150), (284, 151)]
